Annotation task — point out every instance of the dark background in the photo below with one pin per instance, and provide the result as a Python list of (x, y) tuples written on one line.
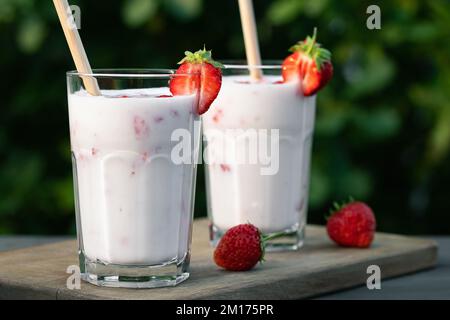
[(383, 124)]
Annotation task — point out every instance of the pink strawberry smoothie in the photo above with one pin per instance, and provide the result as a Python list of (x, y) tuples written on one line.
[(134, 202), (238, 192)]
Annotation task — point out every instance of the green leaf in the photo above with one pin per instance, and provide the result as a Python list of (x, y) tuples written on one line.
[(64, 195), (314, 8), (25, 170), (137, 12), (439, 140), (184, 9), (393, 34), (332, 120), (284, 11), (381, 123), (7, 12), (31, 34), (356, 182), (320, 187), (368, 71), (422, 32)]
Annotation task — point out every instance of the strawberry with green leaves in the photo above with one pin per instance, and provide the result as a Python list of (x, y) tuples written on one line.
[(210, 79), (242, 247), (352, 224), (310, 64)]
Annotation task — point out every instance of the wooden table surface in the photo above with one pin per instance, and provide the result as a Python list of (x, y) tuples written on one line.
[(318, 268)]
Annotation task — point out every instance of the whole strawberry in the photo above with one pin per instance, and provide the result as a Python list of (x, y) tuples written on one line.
[(242, 247), (201, 63), (352, 225), (310, 64)]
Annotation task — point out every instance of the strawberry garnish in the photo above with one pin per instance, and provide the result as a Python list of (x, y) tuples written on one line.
[(210, 73), (310, 63), (352, 225), (242, 247)]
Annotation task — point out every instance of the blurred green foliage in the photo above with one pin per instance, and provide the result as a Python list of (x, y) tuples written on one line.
[(383, 124)]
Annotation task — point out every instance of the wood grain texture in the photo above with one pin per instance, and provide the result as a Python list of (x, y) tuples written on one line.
[(319, 267)]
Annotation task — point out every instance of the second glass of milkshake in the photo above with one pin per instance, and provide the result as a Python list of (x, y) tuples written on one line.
[(258, 139)]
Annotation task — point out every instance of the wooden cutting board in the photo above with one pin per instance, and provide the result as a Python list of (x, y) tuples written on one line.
[(319, 267)]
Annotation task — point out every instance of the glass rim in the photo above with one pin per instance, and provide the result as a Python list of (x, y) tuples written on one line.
[(242, 64), (136, 73)]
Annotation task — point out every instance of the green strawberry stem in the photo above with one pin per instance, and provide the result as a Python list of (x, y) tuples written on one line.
[(313, 50), (271, 236), (338, 206), (200, 56), (312, 42), (266, 237)]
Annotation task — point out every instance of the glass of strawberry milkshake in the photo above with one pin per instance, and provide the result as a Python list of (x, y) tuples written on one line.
[(134, 203), (268, 186), (258, 138)]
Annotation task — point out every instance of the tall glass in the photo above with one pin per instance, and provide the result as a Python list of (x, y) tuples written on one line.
[(134, 201), (258, 146)]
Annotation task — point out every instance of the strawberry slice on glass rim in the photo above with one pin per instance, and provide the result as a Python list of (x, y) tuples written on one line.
[(208, 84), (310, 64)]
